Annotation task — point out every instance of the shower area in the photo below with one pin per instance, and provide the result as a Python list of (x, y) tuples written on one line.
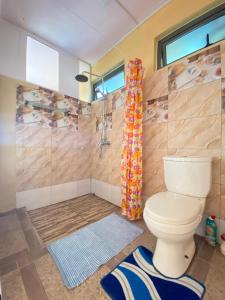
[(66, 147), (101, 118), (106, 146)]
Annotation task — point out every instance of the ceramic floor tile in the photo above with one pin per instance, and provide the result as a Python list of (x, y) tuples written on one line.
[(12, 242), (37, 276), (199, 270), (7, 265), (12, 287), (32, 283), (206, 252), (50, 278), (9, 222), (36, 247)]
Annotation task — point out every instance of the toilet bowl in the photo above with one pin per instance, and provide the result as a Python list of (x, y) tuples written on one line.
[(173, 217)]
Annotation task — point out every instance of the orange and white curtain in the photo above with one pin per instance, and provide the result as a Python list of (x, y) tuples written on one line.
[(131, 164)]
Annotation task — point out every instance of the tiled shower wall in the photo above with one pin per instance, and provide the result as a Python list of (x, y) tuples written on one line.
[(52, 156), (184, 114), (52, 164)]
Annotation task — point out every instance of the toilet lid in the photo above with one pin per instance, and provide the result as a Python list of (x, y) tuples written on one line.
[(171, 208)]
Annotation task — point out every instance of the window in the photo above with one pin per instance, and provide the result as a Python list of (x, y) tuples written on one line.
[(112, 81), (42, 65), (198, 34)]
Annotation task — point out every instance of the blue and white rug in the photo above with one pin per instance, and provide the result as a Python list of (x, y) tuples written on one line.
[(136, 279), (80, 254)]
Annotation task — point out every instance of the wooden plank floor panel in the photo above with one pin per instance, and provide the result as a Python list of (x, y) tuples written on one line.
[(58, 220)]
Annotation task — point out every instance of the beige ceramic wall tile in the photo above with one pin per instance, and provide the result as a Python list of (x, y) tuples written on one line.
[(222, 201), (101, 166), (36, 137), (223, 167), (155, 136), (58, 135), (222, 47), (156, 85), (36, 157), (34, 178), (215, 154), (20, 129), (67, 173), (196, 133), (202, 100), (212, 206), (223, 131), (115, 162), (153, 180), (72, 168)]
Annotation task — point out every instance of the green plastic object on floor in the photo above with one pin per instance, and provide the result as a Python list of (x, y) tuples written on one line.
[(211, 231)]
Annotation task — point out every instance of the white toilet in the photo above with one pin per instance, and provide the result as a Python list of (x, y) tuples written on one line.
[(173, 216)]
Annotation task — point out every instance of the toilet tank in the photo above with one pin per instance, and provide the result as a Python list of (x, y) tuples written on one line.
[(191, 176)]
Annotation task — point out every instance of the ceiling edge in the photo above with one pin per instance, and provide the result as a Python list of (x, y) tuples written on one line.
[(132, 30)]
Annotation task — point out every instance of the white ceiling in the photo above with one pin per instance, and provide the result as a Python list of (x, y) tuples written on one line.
[(84, 28)]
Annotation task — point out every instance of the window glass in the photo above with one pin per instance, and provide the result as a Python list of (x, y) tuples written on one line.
[(195, 40), (112, 81), (198, 34), (42, 65)]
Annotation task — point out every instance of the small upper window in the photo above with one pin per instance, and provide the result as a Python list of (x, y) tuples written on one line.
[(112, 81), (42, 65), (198, 34)]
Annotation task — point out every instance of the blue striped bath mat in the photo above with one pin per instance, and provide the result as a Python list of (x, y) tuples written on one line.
[(136, 278), (80, 254)]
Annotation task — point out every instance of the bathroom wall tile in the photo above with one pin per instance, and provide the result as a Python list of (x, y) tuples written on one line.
[(115, 162), (20, 131), (202, 100), (213, 201), (156, 84), (153, 180), (156, 110), (223, 131), (61, 136), (61, 153), (215, 154), (196, 133), (223, 201), (101, 165), (223, 95), (63, 173), (155, 136), (36, 157), (118, 99), (37, 137), (34, 178), (223, 167), (196, 69), (222, 47)]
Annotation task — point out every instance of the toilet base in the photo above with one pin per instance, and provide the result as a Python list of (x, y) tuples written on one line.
[(172, 258)]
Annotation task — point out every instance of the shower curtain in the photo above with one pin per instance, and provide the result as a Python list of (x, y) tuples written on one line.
[(131, 163)]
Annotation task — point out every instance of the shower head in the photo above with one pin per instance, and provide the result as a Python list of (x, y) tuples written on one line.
[(84, 78), (81, 78)]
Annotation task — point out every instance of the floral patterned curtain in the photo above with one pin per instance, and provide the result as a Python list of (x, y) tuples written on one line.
[(131, 164)]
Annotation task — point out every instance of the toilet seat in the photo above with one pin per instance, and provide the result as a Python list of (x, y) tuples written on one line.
[(173, 209)]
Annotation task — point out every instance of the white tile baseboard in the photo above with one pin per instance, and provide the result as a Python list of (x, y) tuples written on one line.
[(109, 192), (40, 197)]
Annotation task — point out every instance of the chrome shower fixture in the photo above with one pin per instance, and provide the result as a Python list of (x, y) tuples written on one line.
[(103, 140)]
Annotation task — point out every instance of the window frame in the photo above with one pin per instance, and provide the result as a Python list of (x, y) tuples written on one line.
[(116, 70), (207, 17)]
